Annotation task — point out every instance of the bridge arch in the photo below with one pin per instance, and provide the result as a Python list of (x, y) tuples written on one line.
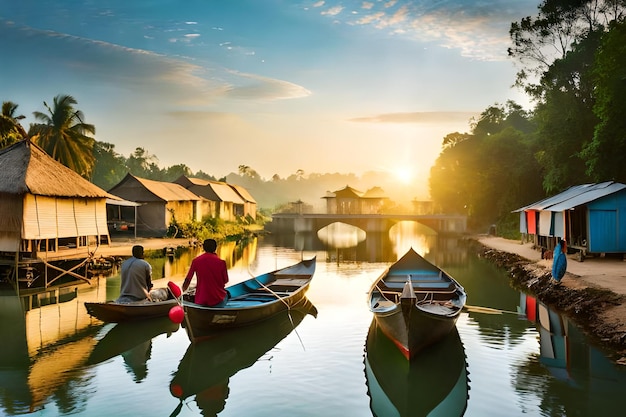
[(367, 222)]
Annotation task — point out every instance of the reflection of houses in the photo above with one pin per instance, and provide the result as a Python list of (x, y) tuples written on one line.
[(590, 217), (49, 212), (570, 358), (228, 204), (351, 201), (161, 203)]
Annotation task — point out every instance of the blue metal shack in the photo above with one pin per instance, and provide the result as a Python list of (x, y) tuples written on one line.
[(591, 218)]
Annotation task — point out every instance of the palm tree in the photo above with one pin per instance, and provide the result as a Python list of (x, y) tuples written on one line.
[(11, 130), (63, 135)]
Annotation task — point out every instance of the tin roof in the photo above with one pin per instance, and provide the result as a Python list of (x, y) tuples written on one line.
[(575, 196)]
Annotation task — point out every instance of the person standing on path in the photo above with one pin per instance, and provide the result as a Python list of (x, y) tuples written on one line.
[(136, 278), (559, 263), (211, 276)]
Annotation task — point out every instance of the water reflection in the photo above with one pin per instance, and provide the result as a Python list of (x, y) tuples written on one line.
[(434, 383), (575, 366), (57, 360), (40, 349), (206, 368), (341, 235), (133, 341)]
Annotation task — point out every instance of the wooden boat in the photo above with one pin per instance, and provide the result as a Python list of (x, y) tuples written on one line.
[(112, 312), (206, 368), (250, 301), (415, 303), (435, 383)]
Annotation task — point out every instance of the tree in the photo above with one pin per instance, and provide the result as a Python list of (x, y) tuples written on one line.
[(246, 171), (110, 167), (491, 171), (604, 153), (11, 129), (559, 25), (142, 164), (63, 134)]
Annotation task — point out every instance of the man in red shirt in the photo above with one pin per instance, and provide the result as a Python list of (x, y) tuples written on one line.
[(211, 276)]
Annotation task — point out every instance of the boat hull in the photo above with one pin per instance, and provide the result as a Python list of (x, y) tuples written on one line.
[(415, 303), (416, 330), (112, 312), (251, 301)]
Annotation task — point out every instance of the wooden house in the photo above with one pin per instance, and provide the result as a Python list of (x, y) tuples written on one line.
[(228, 203), (249, 203), (591, 218), (344, 201), (162, 203), (49, 212), (351, 201)]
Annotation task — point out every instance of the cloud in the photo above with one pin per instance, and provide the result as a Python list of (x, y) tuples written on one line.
[(419, 117), (259, 87), (144, 73), (333, 11), (479, 30)]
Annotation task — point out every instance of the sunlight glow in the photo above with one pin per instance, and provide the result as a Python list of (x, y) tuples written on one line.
[(404, 174)]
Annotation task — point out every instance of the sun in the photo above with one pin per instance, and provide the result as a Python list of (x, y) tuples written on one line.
[(404, 174)]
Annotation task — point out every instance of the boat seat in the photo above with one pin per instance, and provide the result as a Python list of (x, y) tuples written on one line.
[(422, 286), (421, 276)]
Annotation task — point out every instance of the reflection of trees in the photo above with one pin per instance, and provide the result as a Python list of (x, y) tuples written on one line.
[(488, 286)]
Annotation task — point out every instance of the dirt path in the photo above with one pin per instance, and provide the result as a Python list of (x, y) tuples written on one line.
[(592, 293)]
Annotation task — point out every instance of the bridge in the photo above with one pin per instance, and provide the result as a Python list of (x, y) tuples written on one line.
[(293, 222)]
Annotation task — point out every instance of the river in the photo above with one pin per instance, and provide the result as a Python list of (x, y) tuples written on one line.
[(528, 360)]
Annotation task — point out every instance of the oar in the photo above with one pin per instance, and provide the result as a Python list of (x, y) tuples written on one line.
[(282, 300), (487, 310)]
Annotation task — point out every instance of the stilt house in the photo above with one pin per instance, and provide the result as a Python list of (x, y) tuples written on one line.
[(49, 212)]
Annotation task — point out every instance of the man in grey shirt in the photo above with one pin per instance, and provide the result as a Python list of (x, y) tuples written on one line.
[(136, 278)]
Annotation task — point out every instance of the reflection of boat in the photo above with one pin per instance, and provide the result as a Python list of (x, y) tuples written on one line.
[(123, 337), (206, 367), (112, 312), (415, 303), (434, 383), (251, 301)]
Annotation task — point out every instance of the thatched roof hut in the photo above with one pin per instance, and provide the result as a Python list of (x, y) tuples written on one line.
[(162, 203), (47, 207), (228, 203)]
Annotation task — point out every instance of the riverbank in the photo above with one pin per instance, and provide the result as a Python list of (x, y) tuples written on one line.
[(592, 293)]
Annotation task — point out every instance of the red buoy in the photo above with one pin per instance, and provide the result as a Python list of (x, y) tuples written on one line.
[(177, 314)]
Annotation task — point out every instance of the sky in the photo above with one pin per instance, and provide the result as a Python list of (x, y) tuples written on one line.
[(280, 86)]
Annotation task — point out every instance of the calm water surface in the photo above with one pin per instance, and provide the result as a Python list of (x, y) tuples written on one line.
[(327, 361)]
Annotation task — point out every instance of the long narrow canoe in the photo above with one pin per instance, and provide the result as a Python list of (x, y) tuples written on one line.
[(416, 303), (250, 301), (112, 312)]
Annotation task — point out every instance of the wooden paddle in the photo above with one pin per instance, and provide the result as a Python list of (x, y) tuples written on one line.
[(486, 310)]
